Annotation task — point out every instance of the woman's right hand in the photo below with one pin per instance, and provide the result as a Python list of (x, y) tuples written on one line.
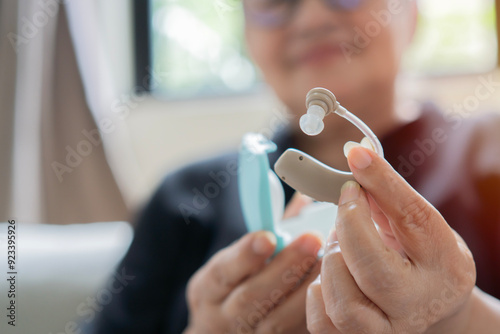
[(240, 290)]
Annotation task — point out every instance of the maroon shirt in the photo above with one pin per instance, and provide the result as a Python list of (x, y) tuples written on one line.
[(454, 162)]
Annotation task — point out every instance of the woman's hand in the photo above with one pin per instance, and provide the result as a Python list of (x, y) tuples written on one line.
[(240, 291), (414, 276)]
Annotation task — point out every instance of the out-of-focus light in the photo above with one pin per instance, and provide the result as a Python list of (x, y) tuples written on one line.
[(237, 73), (188, 32)]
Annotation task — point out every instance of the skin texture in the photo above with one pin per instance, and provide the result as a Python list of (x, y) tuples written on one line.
[(417, 276)]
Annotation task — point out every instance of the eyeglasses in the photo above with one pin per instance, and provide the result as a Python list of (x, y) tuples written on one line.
[(275, 13)]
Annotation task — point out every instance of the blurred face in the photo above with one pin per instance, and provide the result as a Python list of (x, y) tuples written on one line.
[(352, 47)]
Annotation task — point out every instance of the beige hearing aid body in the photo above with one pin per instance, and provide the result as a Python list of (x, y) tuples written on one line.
[(310, 176), (305, 173)]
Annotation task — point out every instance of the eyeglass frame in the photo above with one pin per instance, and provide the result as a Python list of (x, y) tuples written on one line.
[(269, 22)]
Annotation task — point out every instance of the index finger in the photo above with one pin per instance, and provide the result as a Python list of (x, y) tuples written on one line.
[(414, 221), (232, 265)]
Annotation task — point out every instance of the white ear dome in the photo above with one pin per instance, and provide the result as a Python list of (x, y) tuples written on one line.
[(321, 102), (312, 122)]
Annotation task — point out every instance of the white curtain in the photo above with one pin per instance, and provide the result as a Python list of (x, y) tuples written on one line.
[(56, 89), (102, 34)]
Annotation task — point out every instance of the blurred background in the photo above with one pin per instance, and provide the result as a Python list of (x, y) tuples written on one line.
[(209, 79), (166, 82), (100, 99)]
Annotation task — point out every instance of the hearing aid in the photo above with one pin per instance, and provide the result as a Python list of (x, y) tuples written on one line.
[(305, 173), (262, 197), (261, 193)]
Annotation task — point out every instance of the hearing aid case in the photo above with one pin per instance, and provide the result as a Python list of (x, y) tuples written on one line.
[(263, 201)]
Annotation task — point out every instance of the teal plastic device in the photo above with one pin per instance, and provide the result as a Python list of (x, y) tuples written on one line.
[(262, 197), (261, 201)]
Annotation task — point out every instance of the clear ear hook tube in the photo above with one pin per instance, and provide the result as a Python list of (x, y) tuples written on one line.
[(320, 102)]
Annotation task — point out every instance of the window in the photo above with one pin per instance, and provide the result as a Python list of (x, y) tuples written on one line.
[(196, 48), (454, 36)]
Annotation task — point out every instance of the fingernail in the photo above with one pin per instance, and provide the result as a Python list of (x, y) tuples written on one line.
[(332, 245), (348, 146), (264, 243), (360, 158), (310, 244), (349, 192)]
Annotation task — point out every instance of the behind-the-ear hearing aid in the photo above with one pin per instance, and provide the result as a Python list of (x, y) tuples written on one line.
[(261, 194), (308, 175)]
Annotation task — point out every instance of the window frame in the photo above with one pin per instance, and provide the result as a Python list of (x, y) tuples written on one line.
[(142, 45), (497, 16)]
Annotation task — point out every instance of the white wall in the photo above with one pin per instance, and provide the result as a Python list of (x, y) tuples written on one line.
[(167, 135)]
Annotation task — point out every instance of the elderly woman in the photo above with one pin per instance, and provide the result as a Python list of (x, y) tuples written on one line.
[(440, 183)]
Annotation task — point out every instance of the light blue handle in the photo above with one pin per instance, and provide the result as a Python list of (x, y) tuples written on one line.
[(254, 187)]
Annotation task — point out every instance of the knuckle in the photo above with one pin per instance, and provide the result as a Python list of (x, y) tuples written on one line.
[(461, 280), (416, 213), (470, 269), (241, 302), (246, 295), (218, 271), (192, 295), (314, 290), (314, 295), (219, 276), (378, 276), (464, 266), (334, 260), (348, 317)]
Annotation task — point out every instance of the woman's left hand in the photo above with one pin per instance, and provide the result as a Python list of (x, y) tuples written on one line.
[(414, 276)]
